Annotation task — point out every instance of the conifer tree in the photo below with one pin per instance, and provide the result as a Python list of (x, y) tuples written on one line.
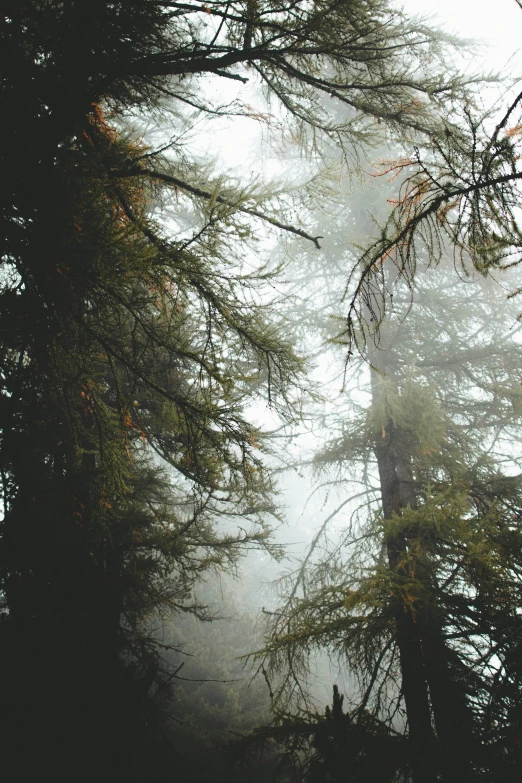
[(418, 591), (459, 190), (111, 364), (129, 353)]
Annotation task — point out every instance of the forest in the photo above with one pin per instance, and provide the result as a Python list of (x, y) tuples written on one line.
[(260, 395)]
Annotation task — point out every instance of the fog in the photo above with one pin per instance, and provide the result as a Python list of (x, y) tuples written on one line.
[(261, 392), (318, 516)]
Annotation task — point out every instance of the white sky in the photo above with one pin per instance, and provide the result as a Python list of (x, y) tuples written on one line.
[(499, 23)]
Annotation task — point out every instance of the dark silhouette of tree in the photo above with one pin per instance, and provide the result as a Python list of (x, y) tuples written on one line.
[(345, 750), (110, 363)]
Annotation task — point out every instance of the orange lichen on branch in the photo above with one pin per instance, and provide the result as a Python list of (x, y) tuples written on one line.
[(515, 131), (393, 167), (129, 423), (442, 213)]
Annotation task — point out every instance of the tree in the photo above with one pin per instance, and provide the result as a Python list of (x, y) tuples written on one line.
[(460, 190), (417, 592), (126, 348), (362, 750), (110, 362)]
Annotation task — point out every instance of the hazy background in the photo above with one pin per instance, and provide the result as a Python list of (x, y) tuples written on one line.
[(249, 150)]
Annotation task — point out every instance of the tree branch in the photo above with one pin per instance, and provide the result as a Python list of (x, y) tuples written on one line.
[(179, 183)]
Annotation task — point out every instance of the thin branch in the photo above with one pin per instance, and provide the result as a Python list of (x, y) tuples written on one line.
[(179, 183)]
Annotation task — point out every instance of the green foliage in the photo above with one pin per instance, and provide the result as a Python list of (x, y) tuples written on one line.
[(459, 195), (130, 352), (427, 569)]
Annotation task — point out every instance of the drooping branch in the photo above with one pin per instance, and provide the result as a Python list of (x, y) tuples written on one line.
[(179, 183), (433, 206)]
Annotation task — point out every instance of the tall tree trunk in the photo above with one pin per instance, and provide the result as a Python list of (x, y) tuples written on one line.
[(452, 715), (428, 686), (397, 492), (414, 682)]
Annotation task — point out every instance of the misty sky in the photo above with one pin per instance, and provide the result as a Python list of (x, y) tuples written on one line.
[(499, 23)]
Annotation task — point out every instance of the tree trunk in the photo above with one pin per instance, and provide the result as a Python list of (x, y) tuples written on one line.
[(428, 685), (452, 716), (395, 492)]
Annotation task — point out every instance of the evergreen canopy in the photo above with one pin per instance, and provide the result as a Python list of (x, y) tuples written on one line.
[(130, 355)]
